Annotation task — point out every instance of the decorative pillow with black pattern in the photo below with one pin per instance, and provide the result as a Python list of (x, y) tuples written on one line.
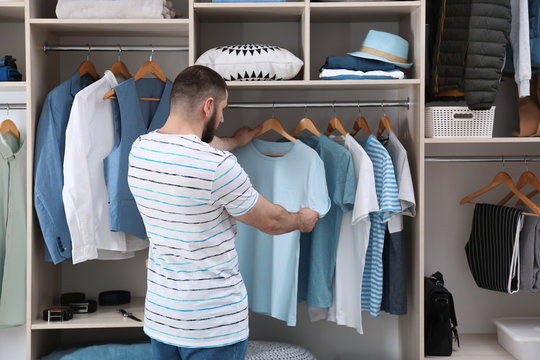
[(252, 62)]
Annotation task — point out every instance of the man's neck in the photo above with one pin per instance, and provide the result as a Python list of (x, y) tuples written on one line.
[(179, 126)]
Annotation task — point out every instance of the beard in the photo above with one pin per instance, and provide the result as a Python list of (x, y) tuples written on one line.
[(210, 128)]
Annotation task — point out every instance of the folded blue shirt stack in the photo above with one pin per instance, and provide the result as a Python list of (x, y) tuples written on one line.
[(356, 68), (8, 69)]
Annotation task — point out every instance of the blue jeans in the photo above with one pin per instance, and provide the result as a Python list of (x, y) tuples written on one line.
[(163, 351)]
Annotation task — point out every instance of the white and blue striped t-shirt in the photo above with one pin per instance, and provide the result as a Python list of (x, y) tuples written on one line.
[(387, 195), (187, 193)]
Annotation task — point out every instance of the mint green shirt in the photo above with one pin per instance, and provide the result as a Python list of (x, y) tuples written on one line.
[(12, 231)]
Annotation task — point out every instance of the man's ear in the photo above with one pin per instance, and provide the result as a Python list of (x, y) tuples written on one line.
[(207, 106)]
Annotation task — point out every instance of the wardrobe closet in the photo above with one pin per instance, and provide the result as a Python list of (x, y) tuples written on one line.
[(311, 31)]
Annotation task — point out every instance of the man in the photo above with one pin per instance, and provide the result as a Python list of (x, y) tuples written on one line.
[(189, 194)]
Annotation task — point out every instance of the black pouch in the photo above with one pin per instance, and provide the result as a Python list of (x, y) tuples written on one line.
[(440, 324)]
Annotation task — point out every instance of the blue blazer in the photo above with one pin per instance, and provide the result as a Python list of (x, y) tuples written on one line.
[(48, 163)]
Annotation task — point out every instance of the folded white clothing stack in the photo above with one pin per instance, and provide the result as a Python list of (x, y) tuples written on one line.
[(344, 74), (115, 9)]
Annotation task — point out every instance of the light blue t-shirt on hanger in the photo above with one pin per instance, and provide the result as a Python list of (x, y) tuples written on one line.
[(318, 248), (269, 264)]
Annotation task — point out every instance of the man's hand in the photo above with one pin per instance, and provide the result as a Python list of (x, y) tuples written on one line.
[(245, 134), (308, 219), (241, 137)]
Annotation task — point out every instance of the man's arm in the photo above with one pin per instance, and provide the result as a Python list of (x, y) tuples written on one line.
[(241, 137), (273, 219)]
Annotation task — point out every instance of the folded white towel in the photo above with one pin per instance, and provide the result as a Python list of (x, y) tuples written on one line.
[(109, 9)]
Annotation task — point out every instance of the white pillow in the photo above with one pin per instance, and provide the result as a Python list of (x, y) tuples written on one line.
[(252, 62)]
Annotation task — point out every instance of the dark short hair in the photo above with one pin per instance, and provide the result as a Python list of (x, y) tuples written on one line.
[(196, 83)]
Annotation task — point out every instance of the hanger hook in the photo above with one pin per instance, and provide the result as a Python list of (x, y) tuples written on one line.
[(273, 109), (7, 111), (119, 53), (305, 109), (359, 111), (526, 164), (502, 156), (88, 53), (152, 53), (382, 107), (334, 107)]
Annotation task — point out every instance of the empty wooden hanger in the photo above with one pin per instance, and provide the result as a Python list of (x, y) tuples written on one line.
[(526, 177), (119, 68), (149, 67), (335, 124), (306, 124), (360, 124), (502, 178), (9, 126)]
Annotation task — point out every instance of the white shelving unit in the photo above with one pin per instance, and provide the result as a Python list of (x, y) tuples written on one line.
[(311, 31), (11, 11)]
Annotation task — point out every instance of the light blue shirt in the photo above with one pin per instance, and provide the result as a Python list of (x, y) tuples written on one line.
[(48, 163), (269, 264), (12, 231), (387, 195), (132, 118), (318, 248)]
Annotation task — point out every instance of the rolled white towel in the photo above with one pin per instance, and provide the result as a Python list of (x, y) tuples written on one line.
[(109, 9)]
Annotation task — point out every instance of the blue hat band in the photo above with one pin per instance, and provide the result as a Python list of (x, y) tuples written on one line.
[(383, 54)]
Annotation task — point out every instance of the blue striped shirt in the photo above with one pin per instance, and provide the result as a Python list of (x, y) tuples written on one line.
[(387, 196), (187, 193)]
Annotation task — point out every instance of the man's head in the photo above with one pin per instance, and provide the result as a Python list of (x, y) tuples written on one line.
[(200, 94)]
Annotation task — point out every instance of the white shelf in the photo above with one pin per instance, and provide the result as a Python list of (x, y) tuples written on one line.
[(104, 317), (361, 11), (11, 11), (477, 347), (115, 27), (496, 140), (12, 85), (324, 84), (248, 12)]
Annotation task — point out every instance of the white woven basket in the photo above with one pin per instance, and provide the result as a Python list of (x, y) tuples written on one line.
[(459, 121)]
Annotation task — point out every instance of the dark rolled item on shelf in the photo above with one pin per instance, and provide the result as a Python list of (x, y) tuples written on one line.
[(57, 313), (67, 298), (114, 297), (84, 307)]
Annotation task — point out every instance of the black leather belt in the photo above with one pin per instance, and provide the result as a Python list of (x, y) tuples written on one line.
[(58, 313), (114, 297)]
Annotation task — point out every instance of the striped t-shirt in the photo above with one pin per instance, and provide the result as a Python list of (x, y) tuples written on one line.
[(187, 193), (387, 195)]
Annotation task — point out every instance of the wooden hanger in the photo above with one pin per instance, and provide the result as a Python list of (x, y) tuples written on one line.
[(384, 124), (149, 67), (119, 68), (526, 178), (9, 126), (87, 67), (502, 178), (306, 124), (360, 124), (529, 196), (274, 124), (335, 124)]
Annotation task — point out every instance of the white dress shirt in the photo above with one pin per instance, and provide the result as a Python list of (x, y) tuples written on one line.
[(89, 139)]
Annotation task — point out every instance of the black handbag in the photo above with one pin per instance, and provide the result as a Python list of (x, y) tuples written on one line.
[(440, 324)]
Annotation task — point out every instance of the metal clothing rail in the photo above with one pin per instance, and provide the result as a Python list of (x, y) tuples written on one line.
[(435, 159), (12, 106), (270, 105), (119, 48)]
